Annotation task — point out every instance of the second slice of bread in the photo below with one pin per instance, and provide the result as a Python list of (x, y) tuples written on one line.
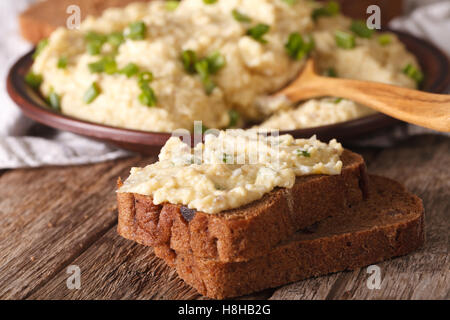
[(388, 224), (249, 231)]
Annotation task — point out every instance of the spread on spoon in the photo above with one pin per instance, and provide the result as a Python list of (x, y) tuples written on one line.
[(158, 67)]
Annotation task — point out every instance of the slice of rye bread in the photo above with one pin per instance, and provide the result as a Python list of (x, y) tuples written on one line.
[(389, 224), (251, 230), (40, 19)]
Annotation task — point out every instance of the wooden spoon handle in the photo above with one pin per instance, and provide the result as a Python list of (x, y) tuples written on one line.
[(418, 107)]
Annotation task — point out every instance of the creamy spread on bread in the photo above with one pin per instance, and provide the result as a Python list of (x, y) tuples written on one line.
[(231, 169), (205, 59), (253, 67)]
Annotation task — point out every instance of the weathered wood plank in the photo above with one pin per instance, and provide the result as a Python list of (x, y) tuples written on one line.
[(116, 268), (48, 216), (422, 164)]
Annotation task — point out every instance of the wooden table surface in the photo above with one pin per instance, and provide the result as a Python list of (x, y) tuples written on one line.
[(55, 217)]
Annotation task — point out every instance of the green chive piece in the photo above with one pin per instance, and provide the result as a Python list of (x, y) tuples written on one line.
[(136, 31), (330, 72), (337, 100), (145, 77), (95, 36), (94, 42), (290, 2), (238, 16), (147, 96), (258, 31), (34, 80), (296, 47), (189, 58), (234, 118), (172, 5), (384, 39), (94, 48), (202, 68), (414, 73), (209, 1), (226, 158), (54, 100), (92, 93), (106, 64), (62, 63), (40, 46), (332, 8), (116, 39), (360, 28), (302, 153), (129, 70), (345, 40), (215, 62)]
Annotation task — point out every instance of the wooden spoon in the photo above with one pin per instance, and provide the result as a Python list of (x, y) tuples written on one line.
[(424, 109)]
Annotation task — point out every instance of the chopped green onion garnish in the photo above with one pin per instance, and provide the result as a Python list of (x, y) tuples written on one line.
[(105, 64), (116, 39), (204, 128), (296, 47), (172, 5), (209, 1), (54, 100), (345, 40), (226, 158), (94, 47), (95, 36), (302, 153), (33, 80), (240, 16), (215, 62), (94, 42), (360, 28), (330, 9), (202, 68), (414, 73), (384, 39), (330, 72), (92, 93), (234, 118), (147, 96), (258, 31), (40, 46), (290, 2), (129, 70), (145, 77), (189, 58), (337, 100), (136, 31), (62, 63)]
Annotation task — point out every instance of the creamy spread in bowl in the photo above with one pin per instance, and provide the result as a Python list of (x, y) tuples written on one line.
[(159, 67), (231, 169)]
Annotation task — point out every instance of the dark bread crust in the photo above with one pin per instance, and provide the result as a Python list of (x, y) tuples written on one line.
[(249, 231), (389, 224)]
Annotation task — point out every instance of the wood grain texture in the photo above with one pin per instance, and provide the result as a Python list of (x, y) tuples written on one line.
[(48, 216), (115, 268), (56, 217), (422, 164)]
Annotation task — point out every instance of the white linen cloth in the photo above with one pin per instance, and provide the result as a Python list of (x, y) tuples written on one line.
[(20, 148)]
